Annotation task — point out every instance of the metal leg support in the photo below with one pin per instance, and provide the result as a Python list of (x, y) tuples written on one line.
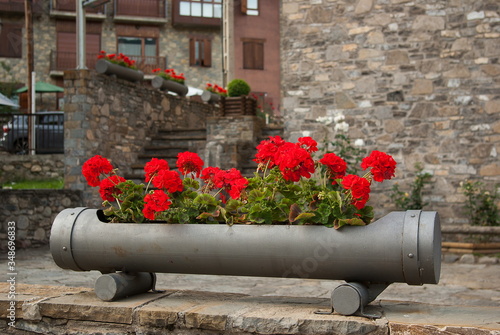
[(113, 286), (352, 298)]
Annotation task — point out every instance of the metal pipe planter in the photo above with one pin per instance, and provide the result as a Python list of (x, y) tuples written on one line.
[(170, 85), (400, 247), (105, 67)]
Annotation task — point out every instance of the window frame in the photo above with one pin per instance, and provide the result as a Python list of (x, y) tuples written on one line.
[(205, 56)]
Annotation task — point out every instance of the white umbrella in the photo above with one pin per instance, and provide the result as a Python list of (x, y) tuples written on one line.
[(6, 101)]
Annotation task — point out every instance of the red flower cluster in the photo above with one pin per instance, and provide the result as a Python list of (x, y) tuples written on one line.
[(155, 202), (382, 164), (293, 159), (336, 166), (214, 88), (108, 189), (159, 174), (294, 162), (119, 59), (189, 162), (169, 74), (229, 180), (359, 188), (154, 166), (94, 167)]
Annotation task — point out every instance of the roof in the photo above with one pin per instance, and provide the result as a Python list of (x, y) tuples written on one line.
[(42, 87)]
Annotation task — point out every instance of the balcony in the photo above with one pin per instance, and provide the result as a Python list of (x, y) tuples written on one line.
[(145, 11), (17, 6), (196, 14), (61, 61), (65, 8)]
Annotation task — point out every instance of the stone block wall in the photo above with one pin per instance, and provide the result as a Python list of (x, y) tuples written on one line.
[(116, 119), (417, 79), (36, 167), (33, 212)]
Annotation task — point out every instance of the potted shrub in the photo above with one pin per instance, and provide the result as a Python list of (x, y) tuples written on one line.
[(238, 102), (118, 65), (171, 81)]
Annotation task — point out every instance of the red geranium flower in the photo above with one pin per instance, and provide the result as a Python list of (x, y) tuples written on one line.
[(359, 188), (336, 166), (108, 189), (294, 162), (267, 149), (154, 166), (189, 162), (308, 143), (94, 167), (382, 164), (168, 180), (232, 181), (155, 202)]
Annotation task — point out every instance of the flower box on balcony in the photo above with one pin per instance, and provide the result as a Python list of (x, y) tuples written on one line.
[(106, 67)]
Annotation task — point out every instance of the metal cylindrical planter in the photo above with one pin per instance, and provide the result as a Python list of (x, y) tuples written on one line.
[(169, 85), (400, 247), (122, 72), (208, 96)]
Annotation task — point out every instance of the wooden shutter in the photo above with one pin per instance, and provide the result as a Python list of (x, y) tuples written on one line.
[(11, 40), (192, 56), (207, 57)]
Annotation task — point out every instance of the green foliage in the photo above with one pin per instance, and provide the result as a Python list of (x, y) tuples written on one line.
[(481, 206), (57, 183), (412, 199), (238, 87)]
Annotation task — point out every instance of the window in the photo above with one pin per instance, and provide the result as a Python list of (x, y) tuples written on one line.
[(253, 54), (137, 46), (250, 7), (201, 8), (200, 52), (11, 40)]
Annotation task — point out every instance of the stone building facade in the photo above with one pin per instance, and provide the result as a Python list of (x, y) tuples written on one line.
[(54, 36), (418, 79)]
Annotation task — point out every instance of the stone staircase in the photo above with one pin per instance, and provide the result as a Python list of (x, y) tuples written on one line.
[(166, 144)]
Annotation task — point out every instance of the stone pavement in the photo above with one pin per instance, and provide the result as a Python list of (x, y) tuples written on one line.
[(466, 301)]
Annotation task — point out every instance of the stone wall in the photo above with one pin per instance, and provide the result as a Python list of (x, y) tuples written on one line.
[(33, 212), (116, 119), (37, 167), (418, 79)]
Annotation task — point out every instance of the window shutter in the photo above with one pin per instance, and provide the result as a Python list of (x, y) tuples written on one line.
[(207, 57), (192, 56), (259, 56), (244, 6)]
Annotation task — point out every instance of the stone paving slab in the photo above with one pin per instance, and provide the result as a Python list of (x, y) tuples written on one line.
[(63, 310)]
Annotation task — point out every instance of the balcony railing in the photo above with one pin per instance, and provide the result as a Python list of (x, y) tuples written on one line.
[(70, 6), (17, 6), (61, 61), (143, 8)]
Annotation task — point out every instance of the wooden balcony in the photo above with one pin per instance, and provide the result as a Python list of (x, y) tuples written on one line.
[(68, 8), (148, 11), (17, 6), (193, 21), (61, 61)]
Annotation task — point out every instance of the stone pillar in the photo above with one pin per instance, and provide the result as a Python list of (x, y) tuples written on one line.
[(231, 140), (77, 108)]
